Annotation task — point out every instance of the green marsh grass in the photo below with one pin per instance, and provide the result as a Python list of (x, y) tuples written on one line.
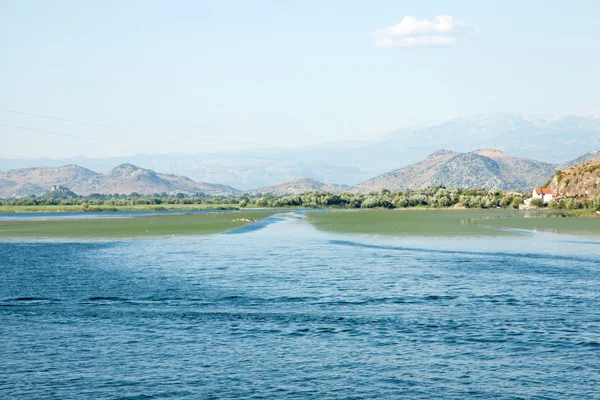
[(128, 227), (407, 222), (450, 222), (110, 208)]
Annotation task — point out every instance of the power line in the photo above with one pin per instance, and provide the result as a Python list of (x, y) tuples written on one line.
[(232, 155), (139, 144), (209, 171), (122, 128), (106, 126)]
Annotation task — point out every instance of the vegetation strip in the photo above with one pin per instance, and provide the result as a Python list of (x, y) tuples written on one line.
[(134, 227), (449, 223), (408, 223), (431, 197)]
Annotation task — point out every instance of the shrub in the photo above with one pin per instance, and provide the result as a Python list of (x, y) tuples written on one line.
[(517, 201), (506, 201), (593, 168), (371, 202), (536, 202), (400, 202), (595, 203)]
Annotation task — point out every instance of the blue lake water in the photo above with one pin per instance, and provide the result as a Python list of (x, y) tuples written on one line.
[(288, 312)]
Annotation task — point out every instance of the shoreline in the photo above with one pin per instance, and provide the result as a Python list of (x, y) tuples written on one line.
[(9, 210)]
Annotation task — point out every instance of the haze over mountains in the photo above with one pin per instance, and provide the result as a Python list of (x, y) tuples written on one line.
[(489, 168), (553, 139), (580, 160)]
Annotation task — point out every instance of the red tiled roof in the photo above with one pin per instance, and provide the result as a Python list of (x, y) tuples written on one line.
[(543, 191)]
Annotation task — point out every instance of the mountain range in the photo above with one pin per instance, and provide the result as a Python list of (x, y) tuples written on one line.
[(124, 179), (489, 168), (553, 139), (580, 160)]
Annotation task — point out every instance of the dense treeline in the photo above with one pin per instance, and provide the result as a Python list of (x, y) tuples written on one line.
[(433, 197), (592, 203), (438, 197)]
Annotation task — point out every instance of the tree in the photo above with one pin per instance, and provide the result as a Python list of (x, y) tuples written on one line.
[(400, 202), (506, 201), (262, 202), (517, 201), (536, 202), (595, 203), (371, 202)]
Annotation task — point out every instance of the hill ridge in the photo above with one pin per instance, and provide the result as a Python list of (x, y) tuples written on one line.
[(298, 186), (580, 180), (489, 168), (123, 179)]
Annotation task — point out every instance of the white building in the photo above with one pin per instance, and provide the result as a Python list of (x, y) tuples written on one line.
[(544, 194)]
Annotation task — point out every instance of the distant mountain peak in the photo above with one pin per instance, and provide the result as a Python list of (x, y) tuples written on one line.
[(442, 152), (491, 153), (302, 179), (580, 160), (299, 186), (127, 166)]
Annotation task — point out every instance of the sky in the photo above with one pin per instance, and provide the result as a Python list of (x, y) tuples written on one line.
[(213, 76)]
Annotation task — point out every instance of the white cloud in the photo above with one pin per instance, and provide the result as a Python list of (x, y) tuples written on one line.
[(411, 32)]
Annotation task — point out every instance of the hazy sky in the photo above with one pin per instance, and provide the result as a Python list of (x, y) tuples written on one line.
[(281, 72)]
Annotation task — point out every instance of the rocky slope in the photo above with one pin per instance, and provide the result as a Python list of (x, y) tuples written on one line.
[(28, 181), (488, 168), (299, 186), (124, 179), (582, 180), (579, 160)]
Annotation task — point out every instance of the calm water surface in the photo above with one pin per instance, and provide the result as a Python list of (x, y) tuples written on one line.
[(289, 312)]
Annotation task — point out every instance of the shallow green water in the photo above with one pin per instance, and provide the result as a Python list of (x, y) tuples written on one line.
[(136, 226), (445, 223), (450, 222), (409, 222), (543, 223)]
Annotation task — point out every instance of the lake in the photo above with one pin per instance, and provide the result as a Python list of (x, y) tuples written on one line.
[(282, 309)]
